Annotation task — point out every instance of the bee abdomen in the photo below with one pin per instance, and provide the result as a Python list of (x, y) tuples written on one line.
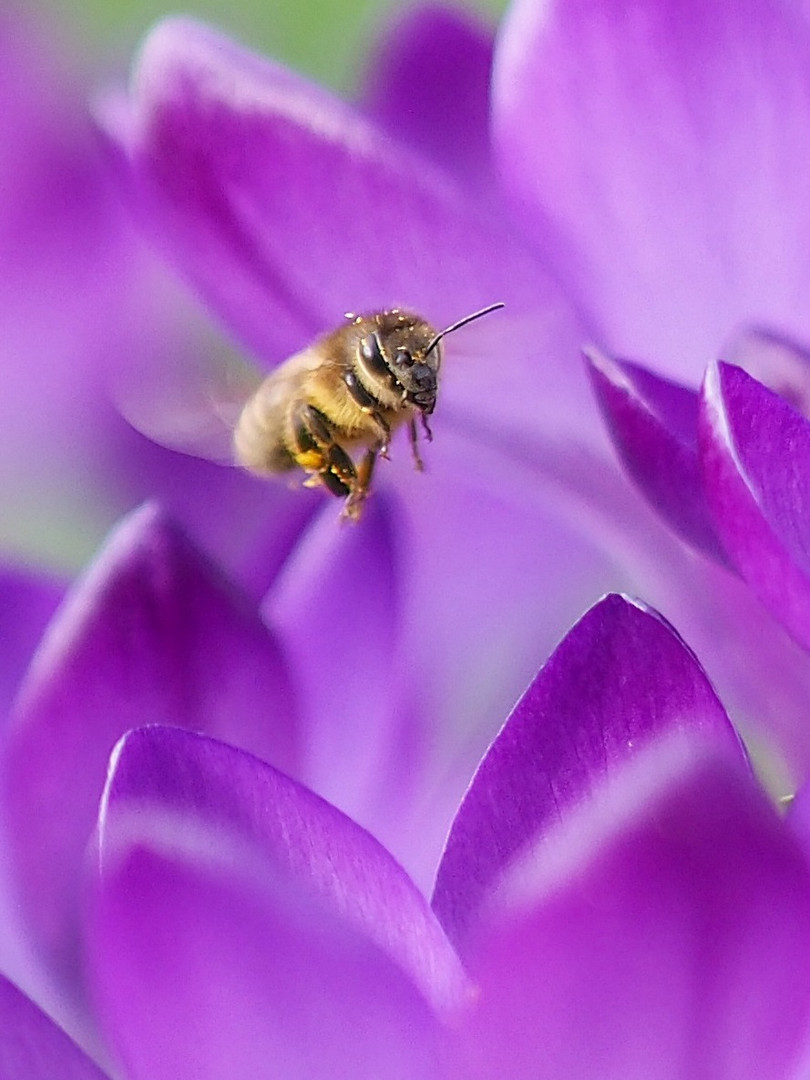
[(258, 440)]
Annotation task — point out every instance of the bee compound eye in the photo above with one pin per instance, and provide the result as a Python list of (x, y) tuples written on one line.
[(371, 355)]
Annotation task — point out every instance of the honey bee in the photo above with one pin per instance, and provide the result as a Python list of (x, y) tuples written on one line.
[(347, 392)]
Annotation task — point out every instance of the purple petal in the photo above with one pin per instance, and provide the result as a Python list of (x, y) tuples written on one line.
[(27, 601), (287, 209), (435, 626), (336, 608), (619, 680), (210, 961), (668, 140), (153, 634), (755, 451), (772, 359), (428, 84), (32, 1047), (653, 423), (655, 933), (297, 833)]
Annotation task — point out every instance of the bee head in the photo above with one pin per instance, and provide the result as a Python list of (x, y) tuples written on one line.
[(418, 374), (403, 352), (397, 355)]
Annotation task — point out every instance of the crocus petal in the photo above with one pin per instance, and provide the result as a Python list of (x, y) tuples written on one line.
[(342, 581), (27, 601), (152, 634), (653, 423), (669, 142), (655, 934), (32, 1047), (297, 832), (620, 679), (428, 83), (211, 962), (775, 360), (287, 209), (755, 451)]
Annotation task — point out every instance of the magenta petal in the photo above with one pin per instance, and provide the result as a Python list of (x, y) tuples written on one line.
[(32, 1047), (153, 634), (343, 581), (620, 679), (211, 960), (755, 452), (655, 933), (670, 141), (287, 209), (297, 832), (446, 114), (27, 602), (653, 423)]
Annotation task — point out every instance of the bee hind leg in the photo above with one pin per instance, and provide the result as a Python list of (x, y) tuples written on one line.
[(357, 497)]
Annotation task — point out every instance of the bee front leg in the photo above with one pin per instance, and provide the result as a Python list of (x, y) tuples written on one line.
[(370, 407), (414, 438)]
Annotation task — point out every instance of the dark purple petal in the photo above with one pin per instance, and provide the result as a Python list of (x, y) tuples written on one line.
[(659, 932), (297, 833), (32, 1047), (653, 423), (755, 451), (428, 84), (153, 634), (287, 209), (772, 359), (619, 680), (27, 601), (211, 961), (669, 140)]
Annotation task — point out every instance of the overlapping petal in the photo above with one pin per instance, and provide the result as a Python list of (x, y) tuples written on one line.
[(621, 679), (259, 972), (27, 601), (654, 933), (668, 142), (32, 1047), (173, 772), (654, 426), (755, 450), (153, 634)]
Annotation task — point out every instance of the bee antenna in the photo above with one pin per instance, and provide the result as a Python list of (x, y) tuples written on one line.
[(462, 322)]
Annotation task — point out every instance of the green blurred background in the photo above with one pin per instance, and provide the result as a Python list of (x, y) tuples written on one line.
[(322, 39)]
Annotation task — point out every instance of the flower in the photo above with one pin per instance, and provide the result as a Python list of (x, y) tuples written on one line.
[(616, 896), (286, 208), (655, 152)]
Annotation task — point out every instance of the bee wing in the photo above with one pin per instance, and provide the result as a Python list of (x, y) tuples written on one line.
[(190, 408)]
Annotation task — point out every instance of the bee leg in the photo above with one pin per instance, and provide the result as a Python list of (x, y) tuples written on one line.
[(356, 500), (319, 455), (370, 406), (414, 437)]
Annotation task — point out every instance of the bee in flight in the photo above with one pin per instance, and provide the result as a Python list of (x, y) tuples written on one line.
[(347, 392)]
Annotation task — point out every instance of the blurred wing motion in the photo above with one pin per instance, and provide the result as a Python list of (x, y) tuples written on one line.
[(190, 407)]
